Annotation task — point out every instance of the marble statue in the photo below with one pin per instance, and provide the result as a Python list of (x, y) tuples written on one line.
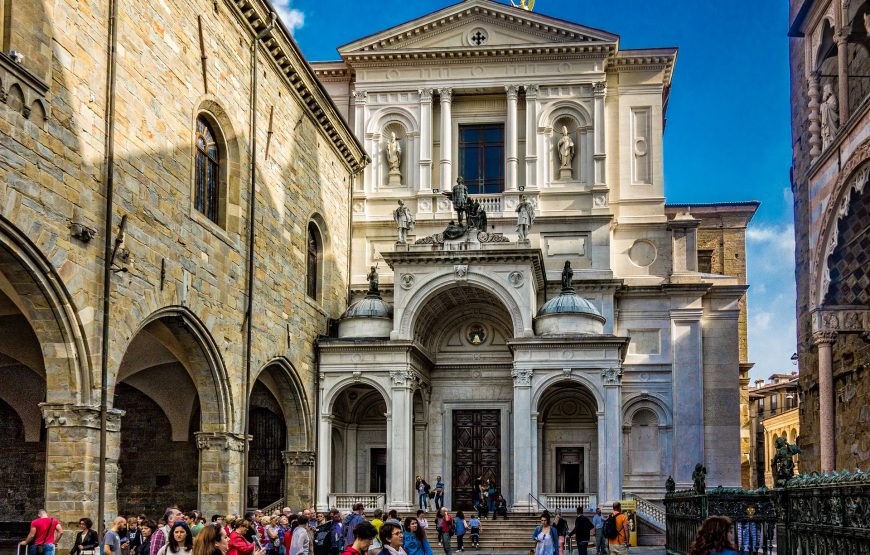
[(459, 197), (404, 221), (525, 218), (830, 115), (699, 477), (527, 5), (567, 276), (372, 278), (394, 159), (782, 463), (566, 150)]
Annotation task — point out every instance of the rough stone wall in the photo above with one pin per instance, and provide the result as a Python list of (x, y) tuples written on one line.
[(51, 173), (22, 477)]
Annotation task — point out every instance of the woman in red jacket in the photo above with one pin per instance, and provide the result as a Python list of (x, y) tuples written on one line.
[(238, 544)]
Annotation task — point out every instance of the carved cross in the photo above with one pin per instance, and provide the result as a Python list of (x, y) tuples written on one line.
[(478, 38)]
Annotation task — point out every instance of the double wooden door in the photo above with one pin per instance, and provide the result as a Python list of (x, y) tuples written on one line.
[(476, 452)]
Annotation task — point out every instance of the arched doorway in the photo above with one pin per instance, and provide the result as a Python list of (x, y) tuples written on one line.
[(359, 441), (568, 450)]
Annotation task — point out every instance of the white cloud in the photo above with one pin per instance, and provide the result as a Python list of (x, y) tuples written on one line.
[(779, 237), (293, 19)]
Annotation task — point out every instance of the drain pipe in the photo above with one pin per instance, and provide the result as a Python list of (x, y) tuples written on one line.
[(252, 203), (108, 178)]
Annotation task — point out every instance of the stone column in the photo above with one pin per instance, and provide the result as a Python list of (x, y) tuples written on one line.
[(352, 461), (72, 462), (842, 75), (536, 449), (360, 98), (511, 138), (815, 129), (612, 440), (827, 454), (221, 464), (688, 383), (599, 156), (324, 460), (425, 140), (446, 139), (532, 135), (523, 440), (400, 441), (298, 478)]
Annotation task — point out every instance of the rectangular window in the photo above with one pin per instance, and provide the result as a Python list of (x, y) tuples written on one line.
[(481, 158), (773, 403), (761, 405), (705, 261)]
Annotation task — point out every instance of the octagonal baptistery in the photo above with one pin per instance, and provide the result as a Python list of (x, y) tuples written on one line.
[(371, 317), (569, 314)]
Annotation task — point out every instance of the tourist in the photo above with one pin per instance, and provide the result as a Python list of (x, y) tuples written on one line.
[(474, 525), (415, 542), (482, 504), (134, 534), (354, 519), (300, 542), (715, 537), (545, 536), (598, 522), (195, 522), (229, 524), (391, 537), (238, 544), (439, 493), (44, 532), (211, 540), (461, 528), (476, 493), (616, 531), (490, 497), (561, 526), (180, 540), (500, 507), (393, 517), (147, 528), (217, 519), (159, 537), (86, 540), (446, 529), (421, 520), (362, 539), (283, 530), (112, 540), (377, 519), (273, 536), (422, 493), (582, 528)]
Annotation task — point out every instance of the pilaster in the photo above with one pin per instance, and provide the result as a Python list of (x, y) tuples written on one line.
[(446, 139), (611, 490), (532, 136), (425, 140), (523, 437), (688, 382), (299, 478), (400, 441), (221, 464), (599, 93), (511, 138), (324, 460)]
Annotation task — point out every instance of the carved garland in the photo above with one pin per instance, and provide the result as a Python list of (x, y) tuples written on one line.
[(835, 211)]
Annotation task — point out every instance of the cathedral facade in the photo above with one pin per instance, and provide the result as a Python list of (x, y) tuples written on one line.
[(534, 316)]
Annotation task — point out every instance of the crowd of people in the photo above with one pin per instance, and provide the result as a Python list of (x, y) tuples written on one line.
[(333, 533)]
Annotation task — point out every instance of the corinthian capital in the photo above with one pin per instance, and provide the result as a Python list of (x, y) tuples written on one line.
[(446, 95), (522, 376), (612, 376)]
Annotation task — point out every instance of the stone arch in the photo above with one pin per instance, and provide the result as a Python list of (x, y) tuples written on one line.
[(230, 165), (646, 402), (853, 177), (15, 98), (317, 230), (564, 108), (39, 112), (539, 388), (392, 114), (333, 392), (290, 392), (32, 283), (408, 312), (825, 46)]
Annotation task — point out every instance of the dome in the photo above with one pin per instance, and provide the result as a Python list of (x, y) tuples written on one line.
[(569, 314), (371, 317)]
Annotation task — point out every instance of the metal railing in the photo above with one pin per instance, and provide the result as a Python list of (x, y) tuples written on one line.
[(345, 501), (279, 504), (568, 502), (538, 501), (650, 511)]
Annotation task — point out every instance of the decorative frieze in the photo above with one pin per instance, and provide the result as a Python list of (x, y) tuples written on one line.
[(845, 320), (79, 416), (224, 441), (299, 458)]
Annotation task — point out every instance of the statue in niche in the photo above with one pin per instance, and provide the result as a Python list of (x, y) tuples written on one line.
[(830, 115), (525, 218), (566, 155), (404, 221), (782, 463), (394, 159), (567, 276), (372, 278)]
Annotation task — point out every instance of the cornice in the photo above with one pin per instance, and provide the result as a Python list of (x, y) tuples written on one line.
[(495, 255), (284, 52), (664, 289), (543, 343), (462, 54)]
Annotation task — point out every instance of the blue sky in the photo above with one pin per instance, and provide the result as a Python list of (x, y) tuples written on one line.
[(728, 131)]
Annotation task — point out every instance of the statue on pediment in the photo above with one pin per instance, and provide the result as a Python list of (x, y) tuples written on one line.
[(404, 221), (525, 218), (829, 111)]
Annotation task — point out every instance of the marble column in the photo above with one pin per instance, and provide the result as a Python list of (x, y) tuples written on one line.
[(400, 441), (688, 386), (532, 136), (425, 140), (511, 138), (324, 461), (842, 75), (815, 129), (299, 478), (446, 139), (612, 440), (72, 462), (827, 432), (523, 437), (599, 156), (221, 464)]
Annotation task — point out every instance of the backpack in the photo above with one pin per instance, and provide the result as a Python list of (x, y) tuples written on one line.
[(350, 523), (323, 539), (611, 531)]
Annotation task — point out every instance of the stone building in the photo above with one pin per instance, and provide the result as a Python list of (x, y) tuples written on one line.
[(773, 414), (830, 64), (468, 356), (172, 95)]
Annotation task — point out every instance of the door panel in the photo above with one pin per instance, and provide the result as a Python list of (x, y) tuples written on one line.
[(476, 452)]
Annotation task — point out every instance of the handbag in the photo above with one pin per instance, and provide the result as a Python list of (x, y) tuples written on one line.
[(40, 547), (431, 495)]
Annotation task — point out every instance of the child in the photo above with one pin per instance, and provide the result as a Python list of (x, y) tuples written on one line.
[(474, 524)]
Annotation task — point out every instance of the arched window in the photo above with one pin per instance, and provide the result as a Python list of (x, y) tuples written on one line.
[(313, 261), (208, 159)]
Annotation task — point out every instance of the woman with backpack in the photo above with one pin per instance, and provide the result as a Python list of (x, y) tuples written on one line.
[(422, 488), (715, 537), (446, 529), (545, 536)]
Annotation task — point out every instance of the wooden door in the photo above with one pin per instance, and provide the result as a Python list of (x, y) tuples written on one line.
[(378, 470), (476, 452)]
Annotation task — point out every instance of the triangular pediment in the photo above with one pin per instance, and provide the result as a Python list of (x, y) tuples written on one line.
[(478, 24)]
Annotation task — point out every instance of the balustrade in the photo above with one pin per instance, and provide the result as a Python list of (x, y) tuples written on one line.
[(346, 501), (568, 502)]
